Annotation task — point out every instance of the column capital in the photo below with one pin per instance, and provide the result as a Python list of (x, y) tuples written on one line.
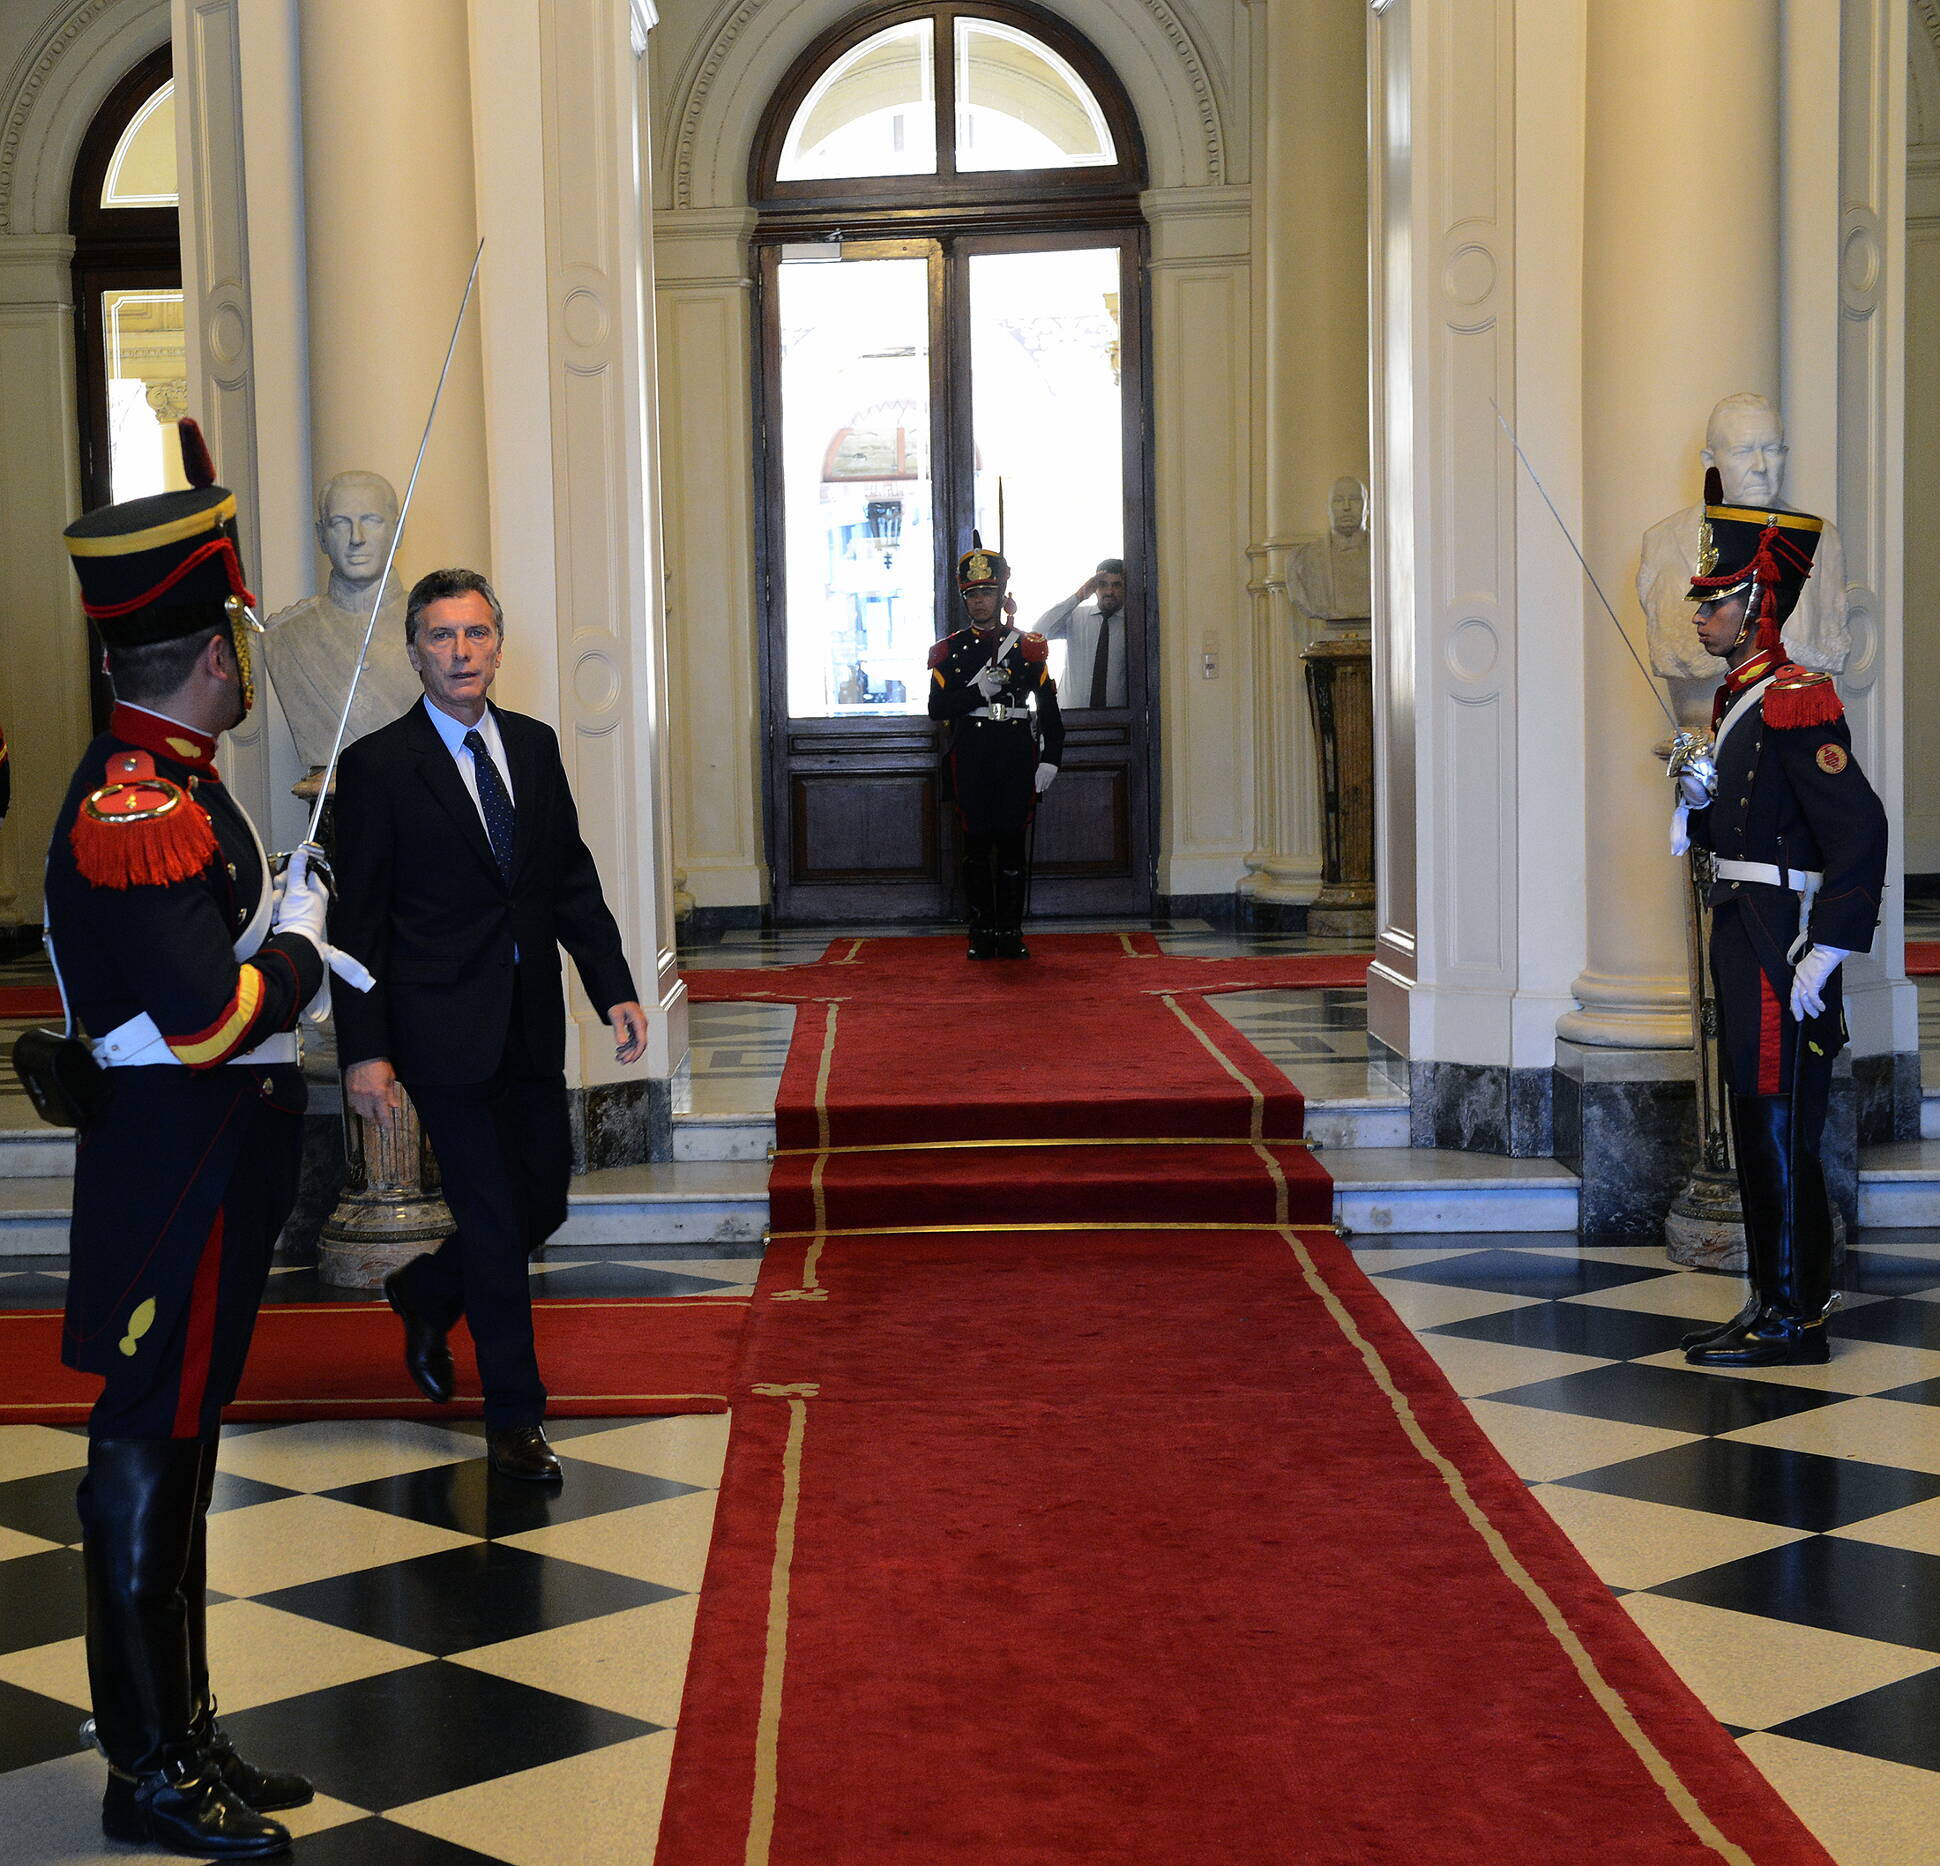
[(36, 269)]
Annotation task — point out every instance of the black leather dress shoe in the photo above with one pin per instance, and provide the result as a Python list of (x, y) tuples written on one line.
[(184, 1807), (521, 1451), (427, 1355), (265, 1790)]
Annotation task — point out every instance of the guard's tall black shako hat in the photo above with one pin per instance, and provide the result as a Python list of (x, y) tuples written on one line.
[(1751, 548), (164, 567), (980, 569)]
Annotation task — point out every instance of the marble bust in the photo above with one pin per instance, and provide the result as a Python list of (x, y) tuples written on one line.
[(312, 645), (1745, 441), (1328, 579)]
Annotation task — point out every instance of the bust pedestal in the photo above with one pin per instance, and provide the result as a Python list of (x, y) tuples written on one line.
[(391, 1208), (1340, 690)]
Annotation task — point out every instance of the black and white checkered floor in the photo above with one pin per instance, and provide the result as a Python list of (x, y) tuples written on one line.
[(476, 1671)]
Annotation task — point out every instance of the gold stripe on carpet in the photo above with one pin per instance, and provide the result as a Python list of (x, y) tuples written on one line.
[(1608, 1699), (1226, 1063), (1151, 1140), (761, 1816)]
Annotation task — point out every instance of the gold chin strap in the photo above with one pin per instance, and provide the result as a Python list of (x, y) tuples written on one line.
[(242, 625)]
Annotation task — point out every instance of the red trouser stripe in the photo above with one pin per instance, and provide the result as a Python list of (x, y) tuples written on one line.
[(1771, 1038), (201, 1336)]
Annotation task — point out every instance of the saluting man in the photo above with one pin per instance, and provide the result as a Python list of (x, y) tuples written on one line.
[(992, 683), (1799, 839), (188, 972)]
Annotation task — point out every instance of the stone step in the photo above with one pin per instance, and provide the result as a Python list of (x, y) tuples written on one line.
[(1930, 1115), (723, 1136), (36, 1152), (1899, 1184), (1370, 1122), (1433, 1189)]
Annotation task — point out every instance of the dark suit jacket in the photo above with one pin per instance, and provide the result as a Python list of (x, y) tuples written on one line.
[(420, 900)]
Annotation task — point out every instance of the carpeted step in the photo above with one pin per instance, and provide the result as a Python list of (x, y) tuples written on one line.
[(1207, 1184), (1035, 1110)]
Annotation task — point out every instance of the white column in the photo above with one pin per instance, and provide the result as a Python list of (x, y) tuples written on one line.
[(703, 290), (1671, 177), (44, 673), (390, 227), (1310, 361), (559, 131)]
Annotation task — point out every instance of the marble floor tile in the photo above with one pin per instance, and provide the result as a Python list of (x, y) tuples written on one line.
[(1753, 1672), (329, 1453), (661, 1543), (1426, 1305), (1877, 1430), (1540, 1446), (603, 1805), (34, 1450), (1916, 1526), (297, 1539), (14, 1543), (689, 1447), (1689, 1294), (1475, 1368), (633, 1662), (1634, 1543), (1866, 1812), (1856, 1368)]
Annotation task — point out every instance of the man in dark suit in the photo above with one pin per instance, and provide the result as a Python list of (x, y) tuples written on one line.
[(459, 860)]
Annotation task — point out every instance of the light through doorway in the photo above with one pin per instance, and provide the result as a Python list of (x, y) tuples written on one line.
[(952, 345)]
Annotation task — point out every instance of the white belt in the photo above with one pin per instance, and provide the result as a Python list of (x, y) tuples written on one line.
[(139, 1044), (1002, 712), (1799, 880)]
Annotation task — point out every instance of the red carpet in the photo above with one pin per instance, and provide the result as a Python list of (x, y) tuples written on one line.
[(312, 1360), (29, 1001), (1923, 958), (1059, 1528)]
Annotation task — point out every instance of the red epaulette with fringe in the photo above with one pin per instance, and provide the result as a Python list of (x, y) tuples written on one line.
[(1800, 696), (139, 830), (1036, 648)]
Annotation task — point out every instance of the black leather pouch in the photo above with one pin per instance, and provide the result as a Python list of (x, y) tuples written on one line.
[(66, 1085)]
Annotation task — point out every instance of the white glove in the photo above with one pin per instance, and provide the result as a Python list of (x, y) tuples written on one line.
[(1680, 833), (991, 680), (1045, 773), (303, 906), (1809, 980), (1692, 792)]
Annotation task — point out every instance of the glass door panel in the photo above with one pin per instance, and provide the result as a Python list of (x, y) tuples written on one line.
[(147, 376), (859, 557), (1048, 420)]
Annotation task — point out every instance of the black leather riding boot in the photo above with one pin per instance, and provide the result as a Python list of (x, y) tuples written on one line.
[(139, 1504), (1010, 914), (262, 1789), (980, 904), (1788, 1237), (1699, 1337)]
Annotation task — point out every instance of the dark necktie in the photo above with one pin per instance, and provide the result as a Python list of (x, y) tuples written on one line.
[(494, 801), (1101, 664)]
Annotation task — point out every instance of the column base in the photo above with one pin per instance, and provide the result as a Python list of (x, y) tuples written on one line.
[(1626, 1124), (1480, 1108), (1704, 1229), (1340, 922), (622, 1123), (1889, 1093)]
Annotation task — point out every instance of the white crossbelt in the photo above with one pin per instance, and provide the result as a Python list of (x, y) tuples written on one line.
[(139, 1043), (1799, 880), (1001, 712)]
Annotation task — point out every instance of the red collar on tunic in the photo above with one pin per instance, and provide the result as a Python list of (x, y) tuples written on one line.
[(1747, 674), (166, 738)]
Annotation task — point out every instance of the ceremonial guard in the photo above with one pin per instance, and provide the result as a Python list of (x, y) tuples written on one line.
[(991, 683), (1799, 839), (187, 973)]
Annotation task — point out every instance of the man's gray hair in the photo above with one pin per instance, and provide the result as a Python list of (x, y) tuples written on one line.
[(440, 584)]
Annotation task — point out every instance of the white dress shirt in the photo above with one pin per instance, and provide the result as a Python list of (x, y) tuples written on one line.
[(453, 731), (1076, 624)]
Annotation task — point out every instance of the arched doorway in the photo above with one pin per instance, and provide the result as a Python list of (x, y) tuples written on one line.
[(951, 339), (131, 366)]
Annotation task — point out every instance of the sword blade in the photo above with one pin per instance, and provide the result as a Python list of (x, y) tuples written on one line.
[(1609, 609), (390, 556)]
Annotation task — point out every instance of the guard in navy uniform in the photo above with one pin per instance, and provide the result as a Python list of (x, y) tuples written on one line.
[(187, 971), (991, 682), (1799, 839)]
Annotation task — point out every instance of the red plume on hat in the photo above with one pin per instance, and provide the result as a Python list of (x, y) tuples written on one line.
[(198, 467)]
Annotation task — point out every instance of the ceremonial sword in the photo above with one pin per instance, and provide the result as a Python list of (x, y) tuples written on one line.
[(1688, 748), (390, 557)]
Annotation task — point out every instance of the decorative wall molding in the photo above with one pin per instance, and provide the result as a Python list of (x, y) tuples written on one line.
[(697, 96)]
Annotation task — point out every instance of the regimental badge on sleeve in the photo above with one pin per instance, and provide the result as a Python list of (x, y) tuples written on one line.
[(1832, 759)]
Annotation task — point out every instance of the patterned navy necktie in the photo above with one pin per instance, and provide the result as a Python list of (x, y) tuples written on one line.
[(493, 799)]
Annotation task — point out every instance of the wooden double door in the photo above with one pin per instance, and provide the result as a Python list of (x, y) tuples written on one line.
[(914, 391)]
